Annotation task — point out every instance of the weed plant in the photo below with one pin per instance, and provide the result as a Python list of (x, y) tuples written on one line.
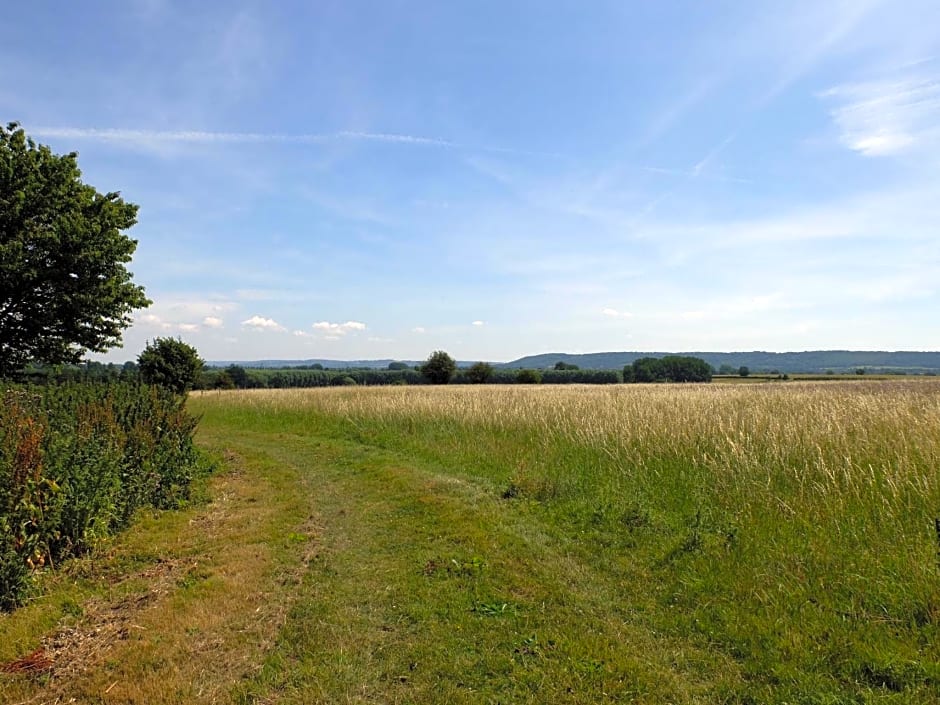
[(76, 462)]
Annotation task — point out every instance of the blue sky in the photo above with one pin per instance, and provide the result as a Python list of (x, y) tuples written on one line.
[(382, 179)]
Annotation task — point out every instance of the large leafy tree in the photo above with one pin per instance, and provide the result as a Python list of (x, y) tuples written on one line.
[(64, 289)]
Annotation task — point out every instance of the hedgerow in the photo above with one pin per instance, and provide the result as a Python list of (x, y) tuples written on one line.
[(77, 461)]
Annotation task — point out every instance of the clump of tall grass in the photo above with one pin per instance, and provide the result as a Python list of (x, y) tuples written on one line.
[(791, 526), (76, 462)]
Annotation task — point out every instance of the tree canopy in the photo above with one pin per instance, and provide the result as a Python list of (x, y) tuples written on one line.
[(170, 363), (479, 373), (671, 368), (64, 289), (439, 367)]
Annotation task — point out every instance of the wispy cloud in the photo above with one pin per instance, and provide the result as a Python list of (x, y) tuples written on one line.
[(675, 112), (478, 323), (338, 329), (150, 138), (711, 156), (212, 322), (828, 24), (887, 117), (261, 323)]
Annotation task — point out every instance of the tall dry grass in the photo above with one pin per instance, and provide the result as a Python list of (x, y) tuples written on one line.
[(790, 524)]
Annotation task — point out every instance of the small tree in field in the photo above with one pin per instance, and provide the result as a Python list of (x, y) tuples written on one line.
[(439, 367), (480, 373), (744, 371), (170, 363)]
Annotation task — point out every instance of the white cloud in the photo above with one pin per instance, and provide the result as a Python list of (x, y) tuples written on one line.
[(614, 313), (477, 323), (154, 321), (887, 117), (212, 322), (188, 327), (260, 323), (419, 330), (338, 329)]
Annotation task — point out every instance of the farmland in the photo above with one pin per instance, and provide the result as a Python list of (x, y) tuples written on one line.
[(737, 543)]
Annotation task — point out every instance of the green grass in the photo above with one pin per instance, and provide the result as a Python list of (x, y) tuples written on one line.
[(649, 544), (672, 544)]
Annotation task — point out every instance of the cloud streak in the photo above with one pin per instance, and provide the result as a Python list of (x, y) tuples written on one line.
[(144, 137), (887, 117)]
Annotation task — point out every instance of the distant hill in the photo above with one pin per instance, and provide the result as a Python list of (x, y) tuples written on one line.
[(328, 364), (812, 361)]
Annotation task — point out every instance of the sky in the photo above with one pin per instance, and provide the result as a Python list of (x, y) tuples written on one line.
[(368, 180)]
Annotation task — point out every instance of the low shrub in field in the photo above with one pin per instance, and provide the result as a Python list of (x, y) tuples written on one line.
[(76, 462)]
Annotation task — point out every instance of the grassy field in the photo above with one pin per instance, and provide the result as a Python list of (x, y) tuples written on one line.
[(654, 544)]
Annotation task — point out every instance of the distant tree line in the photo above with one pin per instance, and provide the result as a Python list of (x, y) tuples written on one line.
[(438, 369)]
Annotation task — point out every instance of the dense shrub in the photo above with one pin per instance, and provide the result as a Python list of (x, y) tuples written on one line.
[(528, 377), (479, 373), (577, 376), (76, 462), (671, 368), (171, 363)]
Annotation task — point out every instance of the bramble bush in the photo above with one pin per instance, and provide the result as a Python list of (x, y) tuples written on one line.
[(76, 462)]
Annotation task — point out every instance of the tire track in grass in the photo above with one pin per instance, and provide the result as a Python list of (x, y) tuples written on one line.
[(429, 589), (197, 618)]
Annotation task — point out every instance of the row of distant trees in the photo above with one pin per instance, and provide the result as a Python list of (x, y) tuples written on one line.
[(171, 363), (441, 368)]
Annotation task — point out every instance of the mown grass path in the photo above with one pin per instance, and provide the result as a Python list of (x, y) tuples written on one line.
[(428, 589)]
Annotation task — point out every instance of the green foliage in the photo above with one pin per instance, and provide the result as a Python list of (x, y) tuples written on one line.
[(64, 287), (223, 380), (397, 366), (646, 369), (528, 377), (683, 368), (580, 377), (671, 368), (239, 376), (479, 373), (439, 367), (171, 363), (744, 371), (565, 366), (76, 462)]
